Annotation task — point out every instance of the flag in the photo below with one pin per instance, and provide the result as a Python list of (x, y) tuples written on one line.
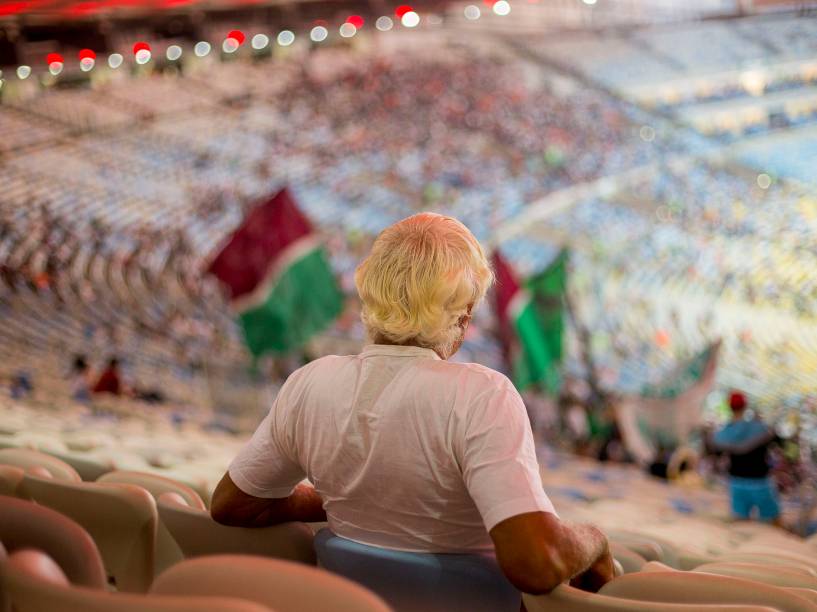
[(664, 415), (531, 322), (684, 376), (278, 279)]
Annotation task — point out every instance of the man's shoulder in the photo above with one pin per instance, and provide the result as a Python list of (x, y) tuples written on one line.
[(477, 376)]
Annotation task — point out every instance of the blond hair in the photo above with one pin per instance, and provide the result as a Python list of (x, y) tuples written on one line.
[(419, 279)]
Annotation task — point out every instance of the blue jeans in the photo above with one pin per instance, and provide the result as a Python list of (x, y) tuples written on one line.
[(750, 493)]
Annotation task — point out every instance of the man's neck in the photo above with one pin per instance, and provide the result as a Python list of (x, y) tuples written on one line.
[(380, 339)]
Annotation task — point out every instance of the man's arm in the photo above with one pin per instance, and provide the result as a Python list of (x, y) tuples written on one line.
[(537, 552), (231, 506), (748, 445)]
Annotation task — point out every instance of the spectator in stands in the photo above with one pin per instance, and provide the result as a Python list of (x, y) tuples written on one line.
[(80, 380), (109, 381), (746, 441), (407, 450), (21, 385)]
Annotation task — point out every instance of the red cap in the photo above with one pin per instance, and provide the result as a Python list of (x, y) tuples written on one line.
[(737, 401)]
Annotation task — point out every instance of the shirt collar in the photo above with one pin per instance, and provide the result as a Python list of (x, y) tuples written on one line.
[(397, 350)]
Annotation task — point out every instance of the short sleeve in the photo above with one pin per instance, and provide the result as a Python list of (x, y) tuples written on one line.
[(263, 468), (498, 458)]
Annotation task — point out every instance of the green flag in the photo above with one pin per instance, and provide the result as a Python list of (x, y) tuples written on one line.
[(531, 322), (279, 280)]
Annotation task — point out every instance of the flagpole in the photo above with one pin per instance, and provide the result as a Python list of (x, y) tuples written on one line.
[(586, 352)]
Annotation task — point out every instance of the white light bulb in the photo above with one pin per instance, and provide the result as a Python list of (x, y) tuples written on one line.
[(318, 34), (173, 52), (384, 24), (285, 38), (502, 7), (410, 19), (260, 41)]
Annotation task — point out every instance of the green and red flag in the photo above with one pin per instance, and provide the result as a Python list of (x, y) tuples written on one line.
[(278, 278), (531, 322)]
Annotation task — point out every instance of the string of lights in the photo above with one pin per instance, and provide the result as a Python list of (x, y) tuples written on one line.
[(142, 52)]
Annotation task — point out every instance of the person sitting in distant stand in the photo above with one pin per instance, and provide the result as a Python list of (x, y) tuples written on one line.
[(407, 450), (109, 381), (80, 380), (746, 442)]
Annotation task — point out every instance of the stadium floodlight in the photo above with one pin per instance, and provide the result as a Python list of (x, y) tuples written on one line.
[(286, 38), (115, 60), (502, 7), (347, 30), (259, 42), (410, 19), (23, 72), (472, 12), (173, 52), (230, 45), (318, 34), (202, 48), (384, 24)]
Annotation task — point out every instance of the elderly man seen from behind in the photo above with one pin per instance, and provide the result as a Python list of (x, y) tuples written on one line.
[(405, 449)]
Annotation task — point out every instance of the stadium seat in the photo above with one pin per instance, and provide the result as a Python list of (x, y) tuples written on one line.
[(777, 559), (281, 585), (167, 550), (769, 574), (26, 458), (630, 561), (89, 468), (33, 582), (699, 588), (644, 546), (799, 555), (198, 534), (568, 599), (420, 581), (10, 479), (121, 519), (24, 524)]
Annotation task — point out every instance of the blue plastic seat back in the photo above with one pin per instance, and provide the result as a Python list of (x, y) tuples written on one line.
[(427, 582)]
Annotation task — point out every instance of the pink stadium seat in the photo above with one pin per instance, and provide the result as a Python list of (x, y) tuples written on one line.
[(167, 550), (700, 588), (33, 582), (24, 524), (120, 518), (198, 534), (26, 458), (281, 585)]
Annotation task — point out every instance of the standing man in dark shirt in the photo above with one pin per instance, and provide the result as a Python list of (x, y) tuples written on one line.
[(746, 441)]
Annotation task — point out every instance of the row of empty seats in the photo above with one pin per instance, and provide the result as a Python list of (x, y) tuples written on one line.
[(139, 532)]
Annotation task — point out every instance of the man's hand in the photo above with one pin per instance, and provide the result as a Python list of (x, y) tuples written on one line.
[(537, 552), (597, 575)]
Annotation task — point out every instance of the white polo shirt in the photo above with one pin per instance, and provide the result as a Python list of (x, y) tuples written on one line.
[(407, 451)]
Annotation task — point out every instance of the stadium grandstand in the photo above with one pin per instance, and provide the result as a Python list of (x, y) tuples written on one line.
[(493, 306)]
